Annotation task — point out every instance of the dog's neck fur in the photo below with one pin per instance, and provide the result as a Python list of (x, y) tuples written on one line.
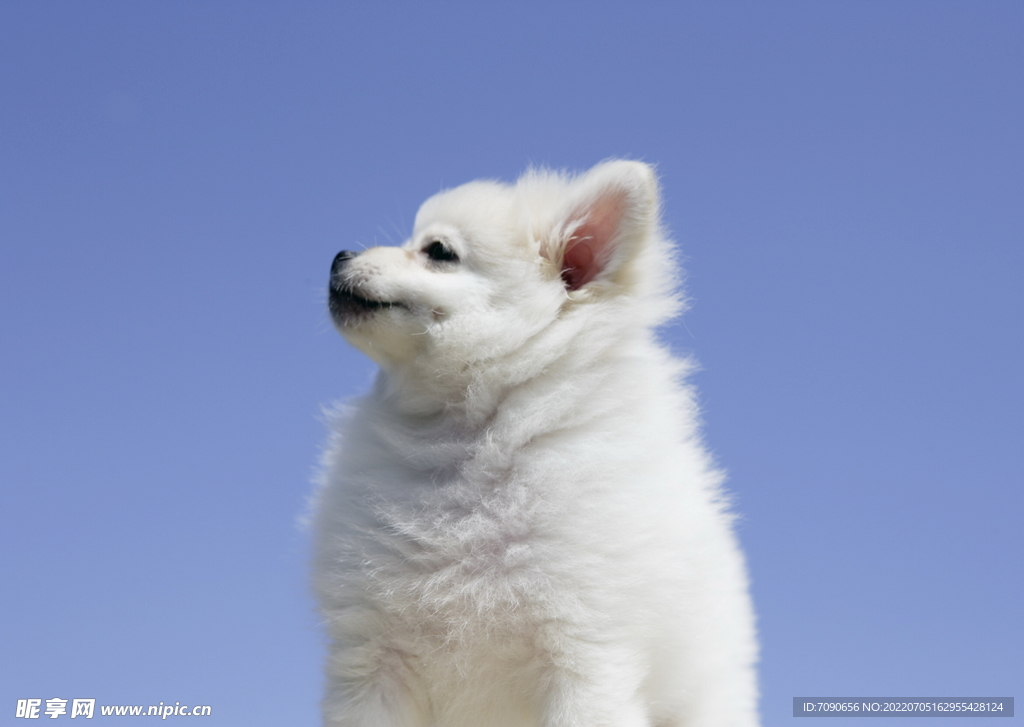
[(550, 377)]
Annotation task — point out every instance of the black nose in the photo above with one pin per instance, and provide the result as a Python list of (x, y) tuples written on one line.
[(341, 260)]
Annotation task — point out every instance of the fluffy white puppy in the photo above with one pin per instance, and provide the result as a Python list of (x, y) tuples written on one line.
[(519, 525)]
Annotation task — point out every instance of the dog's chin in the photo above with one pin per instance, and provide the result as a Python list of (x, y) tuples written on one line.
[(348, 308)]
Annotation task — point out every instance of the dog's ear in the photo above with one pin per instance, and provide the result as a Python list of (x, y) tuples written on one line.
[(612, 211)]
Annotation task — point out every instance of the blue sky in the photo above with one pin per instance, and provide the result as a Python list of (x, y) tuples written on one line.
[(846, 182)]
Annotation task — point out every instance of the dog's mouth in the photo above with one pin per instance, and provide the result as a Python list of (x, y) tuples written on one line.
[(347, 306)]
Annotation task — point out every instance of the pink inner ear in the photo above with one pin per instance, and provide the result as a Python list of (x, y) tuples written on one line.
[(578, 266), (590, 247)]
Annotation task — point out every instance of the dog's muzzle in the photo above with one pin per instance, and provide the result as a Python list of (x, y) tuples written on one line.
[(345, 303)]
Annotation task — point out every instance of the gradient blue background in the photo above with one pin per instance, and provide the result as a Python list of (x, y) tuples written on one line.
[(846, 180)]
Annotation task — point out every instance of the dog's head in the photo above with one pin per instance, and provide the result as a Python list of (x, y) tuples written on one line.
[(490, 268)]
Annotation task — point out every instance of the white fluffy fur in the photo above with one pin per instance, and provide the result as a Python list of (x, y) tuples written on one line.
[(519, 525)]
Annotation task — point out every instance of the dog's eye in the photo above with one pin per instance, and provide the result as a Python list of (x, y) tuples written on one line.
[(437, 250)]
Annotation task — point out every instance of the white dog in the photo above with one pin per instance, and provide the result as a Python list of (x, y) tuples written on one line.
[(519, 525)]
